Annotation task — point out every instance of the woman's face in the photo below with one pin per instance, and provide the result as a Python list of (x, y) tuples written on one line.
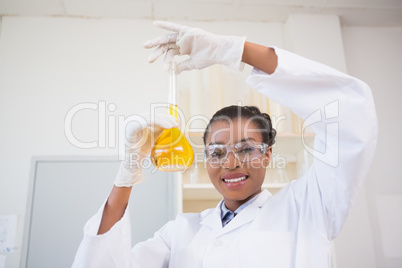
[(251, 173)]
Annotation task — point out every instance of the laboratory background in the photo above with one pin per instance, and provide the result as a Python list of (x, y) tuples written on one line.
[(72, 71)]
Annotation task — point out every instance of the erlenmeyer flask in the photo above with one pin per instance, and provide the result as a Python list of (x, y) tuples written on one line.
[(172, 151)]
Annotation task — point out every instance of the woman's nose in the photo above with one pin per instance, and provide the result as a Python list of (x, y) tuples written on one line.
[(231, 162)]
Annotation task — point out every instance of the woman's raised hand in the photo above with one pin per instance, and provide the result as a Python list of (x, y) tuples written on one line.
[(204, 48)]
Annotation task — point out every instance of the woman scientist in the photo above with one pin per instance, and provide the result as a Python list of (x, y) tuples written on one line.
[(249, 227)]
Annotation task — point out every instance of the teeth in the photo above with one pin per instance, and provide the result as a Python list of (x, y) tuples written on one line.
[(235, 180)]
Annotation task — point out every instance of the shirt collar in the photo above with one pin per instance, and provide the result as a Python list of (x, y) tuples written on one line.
[(212, 217), (225, 211)]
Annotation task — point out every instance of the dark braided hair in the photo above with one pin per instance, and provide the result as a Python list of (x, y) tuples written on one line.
[(261, 120)]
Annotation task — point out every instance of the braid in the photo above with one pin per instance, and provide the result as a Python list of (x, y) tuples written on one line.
[(272, 133)]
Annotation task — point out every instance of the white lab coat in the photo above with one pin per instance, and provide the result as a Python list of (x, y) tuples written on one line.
[(293, 228)]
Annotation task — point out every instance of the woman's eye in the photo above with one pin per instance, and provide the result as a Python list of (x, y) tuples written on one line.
[(217, 153), (246, 150)]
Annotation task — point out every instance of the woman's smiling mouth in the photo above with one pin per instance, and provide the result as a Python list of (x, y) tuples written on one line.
[(234, 179)]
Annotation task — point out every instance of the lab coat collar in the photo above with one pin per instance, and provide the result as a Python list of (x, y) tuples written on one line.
[(214, 221)]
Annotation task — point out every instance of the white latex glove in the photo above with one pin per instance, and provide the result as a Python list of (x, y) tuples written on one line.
[(204, 48), (140, 136)]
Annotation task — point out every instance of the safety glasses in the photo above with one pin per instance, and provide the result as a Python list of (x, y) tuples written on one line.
[(243, 151)]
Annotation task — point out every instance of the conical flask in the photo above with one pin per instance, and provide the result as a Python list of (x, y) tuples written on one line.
[(172, 151)]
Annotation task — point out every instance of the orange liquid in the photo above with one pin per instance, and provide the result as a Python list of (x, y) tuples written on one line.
[(172, 151)]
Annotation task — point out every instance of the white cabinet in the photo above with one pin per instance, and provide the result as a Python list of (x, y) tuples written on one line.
[(290, 160)]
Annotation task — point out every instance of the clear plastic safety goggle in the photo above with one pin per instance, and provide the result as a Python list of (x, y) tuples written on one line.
[(243, 151)]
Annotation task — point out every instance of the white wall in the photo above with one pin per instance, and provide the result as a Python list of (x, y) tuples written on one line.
[(375, 56), (48, 65)]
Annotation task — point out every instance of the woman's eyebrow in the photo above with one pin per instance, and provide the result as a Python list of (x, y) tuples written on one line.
[(247, 139), (216, 143)]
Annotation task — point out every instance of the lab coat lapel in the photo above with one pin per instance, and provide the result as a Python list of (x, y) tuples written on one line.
[(213, 219), (249, 213)]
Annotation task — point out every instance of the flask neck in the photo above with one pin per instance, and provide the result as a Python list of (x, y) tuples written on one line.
[(172, 110), (172, 98)]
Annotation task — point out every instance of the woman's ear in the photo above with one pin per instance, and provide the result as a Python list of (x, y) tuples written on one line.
[(268, 154)]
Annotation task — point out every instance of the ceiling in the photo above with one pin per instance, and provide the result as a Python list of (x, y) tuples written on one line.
[(352, 12)]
